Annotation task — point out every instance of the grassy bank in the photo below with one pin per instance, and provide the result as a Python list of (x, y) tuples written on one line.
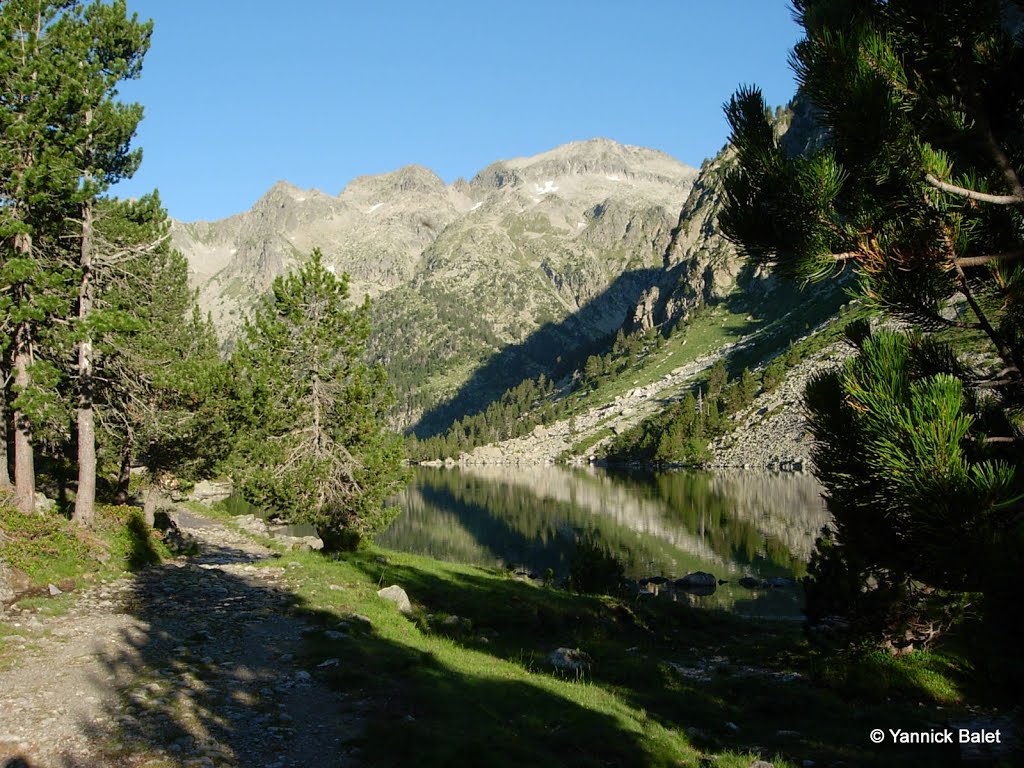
[(49, 549), (467, 680)]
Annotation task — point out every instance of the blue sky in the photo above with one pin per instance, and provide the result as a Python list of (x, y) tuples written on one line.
[(240, 94)]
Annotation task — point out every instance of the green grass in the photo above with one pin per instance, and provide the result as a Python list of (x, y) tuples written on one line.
[(580, 448), (708, 331), (467, 681), (52, 550), (934, 677)]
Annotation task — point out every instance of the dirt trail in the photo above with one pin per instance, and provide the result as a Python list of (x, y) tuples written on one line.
[(190, 663)]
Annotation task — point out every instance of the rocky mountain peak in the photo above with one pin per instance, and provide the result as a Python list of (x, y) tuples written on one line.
[(284, 192), (592, 167), (407, 180)]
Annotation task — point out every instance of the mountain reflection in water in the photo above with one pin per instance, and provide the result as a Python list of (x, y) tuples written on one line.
[(655, 523)]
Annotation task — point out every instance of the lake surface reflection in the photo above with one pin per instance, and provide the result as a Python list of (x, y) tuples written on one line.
[(655, 523)]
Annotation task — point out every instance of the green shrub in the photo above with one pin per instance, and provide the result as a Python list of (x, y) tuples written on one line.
[(595, 570)]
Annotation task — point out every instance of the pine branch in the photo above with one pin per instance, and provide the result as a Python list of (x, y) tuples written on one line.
[(997, 341), (971, 194), (977, 261)]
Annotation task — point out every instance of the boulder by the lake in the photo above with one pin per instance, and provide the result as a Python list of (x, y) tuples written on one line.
[(570, 659), (251, 524), (397, 595), (749, 582), (208, 491), (781, 582), (300, 543), (697, 579)]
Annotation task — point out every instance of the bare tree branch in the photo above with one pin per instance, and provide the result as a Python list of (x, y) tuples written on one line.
[(977, 261), (971, 194)]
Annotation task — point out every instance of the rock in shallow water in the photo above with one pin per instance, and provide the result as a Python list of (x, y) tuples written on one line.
[(697, 579)]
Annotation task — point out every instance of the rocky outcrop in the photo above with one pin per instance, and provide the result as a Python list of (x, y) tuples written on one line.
[(772, 433)]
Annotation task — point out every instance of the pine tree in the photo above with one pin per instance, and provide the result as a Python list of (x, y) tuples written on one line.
[(35, 183), (310, 410), (158, 395), (104, 47), (718, 377), (914, 184), (64, 140)]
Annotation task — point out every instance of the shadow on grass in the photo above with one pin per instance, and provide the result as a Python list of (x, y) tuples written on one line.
[(554, 348), (142, 552), (728, 684), (208, 670)]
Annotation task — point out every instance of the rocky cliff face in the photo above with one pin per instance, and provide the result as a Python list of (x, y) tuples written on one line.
[(376, 230)]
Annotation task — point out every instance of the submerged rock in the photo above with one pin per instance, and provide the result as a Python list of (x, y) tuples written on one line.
[(697, 579)]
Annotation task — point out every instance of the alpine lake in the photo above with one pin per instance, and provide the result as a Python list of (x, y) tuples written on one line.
[(757, 527)]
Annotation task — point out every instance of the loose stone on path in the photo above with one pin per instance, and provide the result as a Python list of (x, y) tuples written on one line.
[(186, 663)]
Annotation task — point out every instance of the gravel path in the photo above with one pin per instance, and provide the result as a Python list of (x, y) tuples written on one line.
[(190, 663)]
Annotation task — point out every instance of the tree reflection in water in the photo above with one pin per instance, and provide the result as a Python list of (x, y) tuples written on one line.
[(654, 523)]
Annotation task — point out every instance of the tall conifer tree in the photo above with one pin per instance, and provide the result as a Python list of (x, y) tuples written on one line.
[(65, 139), (36, 184), (310, 410)]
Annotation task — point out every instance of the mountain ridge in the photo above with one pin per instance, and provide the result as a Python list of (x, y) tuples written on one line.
[(532, 259)]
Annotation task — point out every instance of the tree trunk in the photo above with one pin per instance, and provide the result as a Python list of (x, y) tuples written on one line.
[(24, 460), (85, 497), (5, 472), (124, 474)]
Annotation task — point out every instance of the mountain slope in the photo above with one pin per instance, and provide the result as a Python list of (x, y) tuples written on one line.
[(545, 255)]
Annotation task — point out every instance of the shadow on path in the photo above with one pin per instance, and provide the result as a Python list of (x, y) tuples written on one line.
[(207, 671)]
